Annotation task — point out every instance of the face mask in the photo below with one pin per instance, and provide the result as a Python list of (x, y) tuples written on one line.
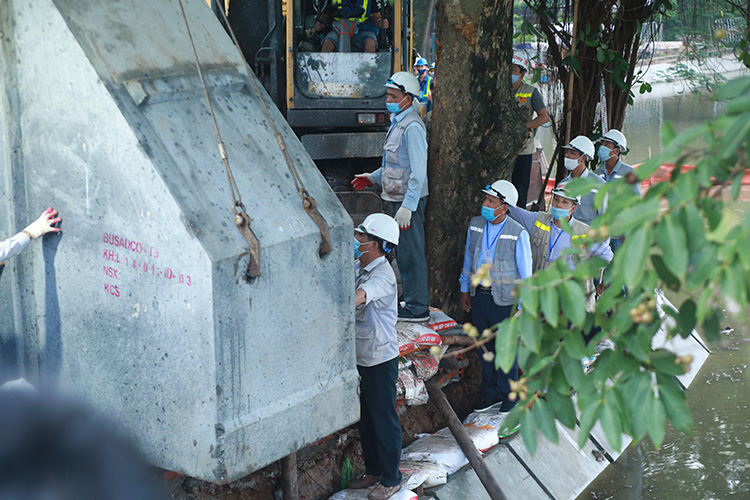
[(571, 164), (604, 153), (489, 213), (394, 107), (515, 78), (559, 213), (421, 71), (357, 252)]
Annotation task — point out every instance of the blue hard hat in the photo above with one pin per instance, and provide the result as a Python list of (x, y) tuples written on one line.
[(421, 61)]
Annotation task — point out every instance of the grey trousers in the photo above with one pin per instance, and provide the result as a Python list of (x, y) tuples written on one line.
[(412, 263)]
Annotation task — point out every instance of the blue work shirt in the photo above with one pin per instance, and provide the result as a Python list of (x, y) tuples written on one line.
[(619, 171)]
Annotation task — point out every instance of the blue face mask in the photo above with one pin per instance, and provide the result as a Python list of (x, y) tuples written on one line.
[(421, 71), (515, 78), (357, 253), (489, 213), (604, 153), (394, 107), (559, 213)]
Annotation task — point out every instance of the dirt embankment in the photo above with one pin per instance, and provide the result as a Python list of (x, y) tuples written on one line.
[(320, 466)]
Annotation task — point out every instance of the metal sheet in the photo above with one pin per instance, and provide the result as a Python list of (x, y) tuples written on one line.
[(141, 305), (564, 469), (511, 476), (352, 145), (352, 75)]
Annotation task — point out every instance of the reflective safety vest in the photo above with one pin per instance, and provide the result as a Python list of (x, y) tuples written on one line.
[(540, 249), (425, 91), (346, 3), (504, 272), (523, 98)]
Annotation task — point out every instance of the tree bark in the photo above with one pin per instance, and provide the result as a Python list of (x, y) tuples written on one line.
[(477, 130)]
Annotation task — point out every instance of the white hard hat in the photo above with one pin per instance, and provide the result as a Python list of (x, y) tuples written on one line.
[(563, 193), (504, 190), (520, 60), (405, 82), (617, 137), (583, 145), (380, 226)]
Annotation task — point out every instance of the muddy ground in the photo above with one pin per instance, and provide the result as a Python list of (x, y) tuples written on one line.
[(320, 466)]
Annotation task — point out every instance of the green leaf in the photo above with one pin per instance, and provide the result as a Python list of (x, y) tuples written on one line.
[(634, 393), (686, 319), (573, 370), (563, 408), (634, 251), (667, 132), (528, 431), (636, 216), (729, 220), (531, 332), (550, 305), (611, 421), (573, 302), (702, 267), (695, 227), (669, 279), (589, 415), (574, 343), (506, 344), (545, 420), (673, 399), (671, 238), (654, 413), (664, 361), (529, 299)]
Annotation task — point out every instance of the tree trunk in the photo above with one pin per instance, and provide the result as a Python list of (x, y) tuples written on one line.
[(477, 129)]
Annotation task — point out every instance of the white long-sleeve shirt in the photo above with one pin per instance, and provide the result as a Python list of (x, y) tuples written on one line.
[(13, 246)]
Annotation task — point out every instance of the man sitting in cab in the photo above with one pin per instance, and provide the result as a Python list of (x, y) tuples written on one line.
[(360, 20)]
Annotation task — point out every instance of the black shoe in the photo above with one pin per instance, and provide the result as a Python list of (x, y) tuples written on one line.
[(484, 406), (507, 406), (404, 315)]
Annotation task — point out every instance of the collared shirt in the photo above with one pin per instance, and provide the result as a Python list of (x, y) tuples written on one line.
[(528, 219), (588, 199), (375, 326), (523, 254), (13, 246), (619, 171), (415, 142)]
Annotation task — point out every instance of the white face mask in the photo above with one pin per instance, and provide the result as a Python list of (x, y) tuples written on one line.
[(571, 164)]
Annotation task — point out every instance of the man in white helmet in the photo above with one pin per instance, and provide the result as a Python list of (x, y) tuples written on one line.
[(376, 303), (548, 239), (403, 176), (530, 101), (611, 146), (577, 155), (497, 241)]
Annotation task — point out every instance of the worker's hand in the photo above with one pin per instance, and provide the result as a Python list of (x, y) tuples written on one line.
[(362, 181), (44, 224), (403, 217), (465, 301), (382, 23)]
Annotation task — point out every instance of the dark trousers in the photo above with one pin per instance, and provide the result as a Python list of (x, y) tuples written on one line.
[(412, 263), (495, 383), (379, 426), (521, 178)]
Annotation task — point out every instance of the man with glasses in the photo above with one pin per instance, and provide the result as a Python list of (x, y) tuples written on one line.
[(403, 176), (497, 242)]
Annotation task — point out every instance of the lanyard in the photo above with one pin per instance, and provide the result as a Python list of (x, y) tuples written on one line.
[(487, 235), (552, 245)]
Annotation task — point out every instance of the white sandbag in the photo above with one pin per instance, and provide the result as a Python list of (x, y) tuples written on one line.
[(414, 337), (440, 321), (402, 494), (411, 388), (423, 474), (483, 429), (438, 449)]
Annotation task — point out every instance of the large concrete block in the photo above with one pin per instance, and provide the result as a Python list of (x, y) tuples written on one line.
[(142, 305)]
